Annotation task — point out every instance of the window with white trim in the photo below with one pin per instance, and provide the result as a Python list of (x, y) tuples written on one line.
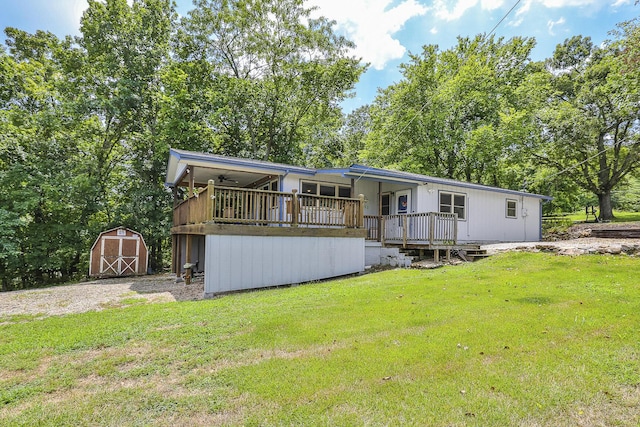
[(325, 189), (511, 208), (453, 203)]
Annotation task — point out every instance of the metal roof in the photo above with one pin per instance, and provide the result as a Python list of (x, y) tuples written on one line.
[(179, 159)]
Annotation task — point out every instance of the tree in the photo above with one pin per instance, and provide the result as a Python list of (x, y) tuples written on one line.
[(590, 121), (456, 113), (273, 76), (356, 127), (39, 188), (126, 48)]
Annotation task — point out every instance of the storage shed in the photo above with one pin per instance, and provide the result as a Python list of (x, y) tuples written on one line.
[(118, 252)]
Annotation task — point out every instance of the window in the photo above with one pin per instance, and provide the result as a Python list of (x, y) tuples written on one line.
[(344, 191), (270, 186), (512, 208), (328, 190), (309, 188), (386, 204), (453, 203), (325, 189)]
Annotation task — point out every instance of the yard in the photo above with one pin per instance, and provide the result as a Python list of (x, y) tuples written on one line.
[(526, 339)]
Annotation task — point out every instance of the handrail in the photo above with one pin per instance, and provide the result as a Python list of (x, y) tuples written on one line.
[(433, 228), (264, 207)]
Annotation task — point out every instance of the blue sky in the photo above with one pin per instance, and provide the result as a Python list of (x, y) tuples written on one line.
[(385, 31)]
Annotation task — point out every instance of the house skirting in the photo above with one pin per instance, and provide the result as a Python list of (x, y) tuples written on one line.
[(241, 257), (234, 263)]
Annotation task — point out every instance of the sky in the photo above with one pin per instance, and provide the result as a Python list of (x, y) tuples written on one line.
[(386, 31)]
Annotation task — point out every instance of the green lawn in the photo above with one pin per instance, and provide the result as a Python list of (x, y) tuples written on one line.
[(517, 339), (618, 216)]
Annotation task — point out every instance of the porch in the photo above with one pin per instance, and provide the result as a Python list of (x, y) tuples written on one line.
[(247, 214), (234, 211)]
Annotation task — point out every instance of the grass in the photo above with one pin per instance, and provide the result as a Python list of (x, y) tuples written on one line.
[(517, 339), (619, 216)]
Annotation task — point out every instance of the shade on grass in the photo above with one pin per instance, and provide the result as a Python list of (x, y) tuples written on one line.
[(517, 339)]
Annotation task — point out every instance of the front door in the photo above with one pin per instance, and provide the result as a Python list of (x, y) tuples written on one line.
[(403, 202)]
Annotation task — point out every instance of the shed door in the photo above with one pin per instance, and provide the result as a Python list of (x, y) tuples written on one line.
[(119, 255)]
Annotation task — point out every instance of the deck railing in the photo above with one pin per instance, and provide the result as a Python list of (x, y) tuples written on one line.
[(434, 228), (259, 207)]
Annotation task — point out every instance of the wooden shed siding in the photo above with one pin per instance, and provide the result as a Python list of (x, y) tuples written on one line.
[(247, 262), (105, 250)]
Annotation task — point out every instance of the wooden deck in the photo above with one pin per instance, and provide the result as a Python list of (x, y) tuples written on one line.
[(232, 205), (427, 230)]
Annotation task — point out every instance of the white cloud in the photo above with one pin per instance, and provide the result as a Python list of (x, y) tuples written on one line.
[(526, 7), (371, 24), (552, 24), (566, 3), (442, 11), (516, 22), (491, 4), (433, 30), (621, 3)]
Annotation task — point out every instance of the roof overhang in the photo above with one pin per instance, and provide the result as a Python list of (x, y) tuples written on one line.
[(210, 166), (391, 176)]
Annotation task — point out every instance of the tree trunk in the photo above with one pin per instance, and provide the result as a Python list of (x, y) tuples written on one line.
[(604, 201)]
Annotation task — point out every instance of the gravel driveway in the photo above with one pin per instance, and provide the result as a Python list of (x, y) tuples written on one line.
[(570, 247), (97, 295)]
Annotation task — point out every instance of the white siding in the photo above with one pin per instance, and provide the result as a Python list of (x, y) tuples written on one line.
[(486, 219), (247, 262)]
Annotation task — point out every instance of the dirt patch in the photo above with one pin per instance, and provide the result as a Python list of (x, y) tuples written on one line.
[(98, 295)]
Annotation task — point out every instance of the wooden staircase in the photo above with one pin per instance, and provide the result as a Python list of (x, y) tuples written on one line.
[(616, 233), (473, 254), (468, 253)]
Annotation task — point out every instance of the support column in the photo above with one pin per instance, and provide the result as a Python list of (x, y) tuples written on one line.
[(380, 223), (295, 208)]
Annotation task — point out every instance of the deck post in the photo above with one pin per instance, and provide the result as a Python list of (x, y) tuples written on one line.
[(431, 225), (294, 208), (381, 232), (191, 180), (360, 223), (211, 200), (173, 253), (404, 231), (455, 229)]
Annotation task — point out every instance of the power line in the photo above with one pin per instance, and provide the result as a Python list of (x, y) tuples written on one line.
[(454, 74), (577, 164), (504, 17)]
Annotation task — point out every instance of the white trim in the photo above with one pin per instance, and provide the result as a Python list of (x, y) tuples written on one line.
[(515, 209), (453, 203)]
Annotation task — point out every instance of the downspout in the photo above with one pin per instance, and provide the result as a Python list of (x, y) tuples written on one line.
[(540, 222), (524, 214)]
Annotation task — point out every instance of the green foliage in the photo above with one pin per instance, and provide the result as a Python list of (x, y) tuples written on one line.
[(272, 83), (590, 115), (517, 339), (457, 113), (87, 122), (81, 150)]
